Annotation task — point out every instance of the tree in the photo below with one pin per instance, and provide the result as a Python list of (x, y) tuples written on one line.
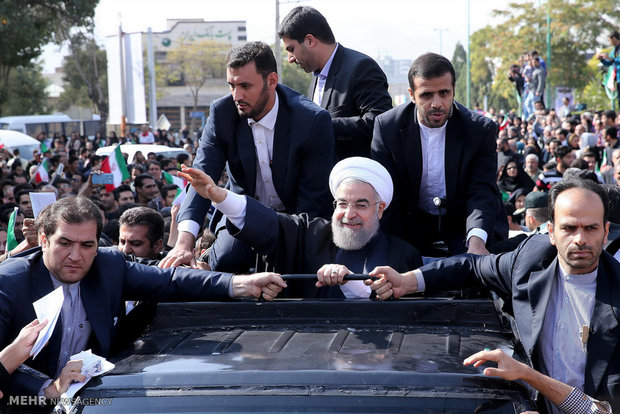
[(576, 26), (85, 70), (194, 63), (26, 92), (459, 61), (293, 77), (27, 25)]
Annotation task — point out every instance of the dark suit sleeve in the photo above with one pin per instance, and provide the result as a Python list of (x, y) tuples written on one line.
[(143, 282), (482, 195), (369, 90), (210, 158), (317, 159), (497, 272)]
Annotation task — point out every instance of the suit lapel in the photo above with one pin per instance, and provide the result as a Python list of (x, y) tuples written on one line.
[(313, 82), (410, 140), (247, 154), (332, 75), (96, 307), (454, 141), (604, 331), (281, 145), (539, 292), (43, 286)]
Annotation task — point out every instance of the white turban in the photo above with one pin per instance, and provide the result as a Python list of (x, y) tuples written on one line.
[(366, 170)]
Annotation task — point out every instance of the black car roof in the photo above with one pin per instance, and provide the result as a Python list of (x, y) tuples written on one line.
[(406, 349)]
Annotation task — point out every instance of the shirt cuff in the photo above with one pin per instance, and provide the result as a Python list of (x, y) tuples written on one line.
[(233, 207), (44, 386), (421, 284), (479, 233), (189, 226), (578, 402)]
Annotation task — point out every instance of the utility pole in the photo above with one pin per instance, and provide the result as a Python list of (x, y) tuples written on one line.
[(468, 94), (278, 51), (440, 38)]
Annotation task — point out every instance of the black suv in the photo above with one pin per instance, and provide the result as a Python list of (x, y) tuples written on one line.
[(311, 356)]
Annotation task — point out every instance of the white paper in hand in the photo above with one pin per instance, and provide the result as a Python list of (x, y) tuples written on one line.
[(92, 365), (48, 307), (40, 201)]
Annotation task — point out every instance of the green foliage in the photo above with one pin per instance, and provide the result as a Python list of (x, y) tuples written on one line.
[(576, 26), (294, 77), (459, 61), (85, 74), (194, 62), (27, 25), (26, 92)]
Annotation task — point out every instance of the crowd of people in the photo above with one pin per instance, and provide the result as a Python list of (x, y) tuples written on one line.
[(336, 184)]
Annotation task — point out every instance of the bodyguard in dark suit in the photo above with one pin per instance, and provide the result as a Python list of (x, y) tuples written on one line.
[(277, 147), (349, 84), (96, 282), (442, 159), (562, 290)]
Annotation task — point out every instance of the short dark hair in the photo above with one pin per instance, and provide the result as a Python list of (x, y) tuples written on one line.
[(168, 187), (145, 216), (148, 165), (612, 132), (139, 181), (429, 66), (182, 157), (258, 52), (613, 193), (562, 151), (609, 113), (304, 20), (589, 185), (615, 34), (121, 189), (71, 210)]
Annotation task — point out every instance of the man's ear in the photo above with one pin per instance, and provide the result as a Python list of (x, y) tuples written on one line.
[(272, 81), (381, 209), (551, 234), (310, 40), (42, 239), (411, 94)]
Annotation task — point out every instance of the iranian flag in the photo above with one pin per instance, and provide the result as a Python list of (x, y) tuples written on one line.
[(42, 173), (115, 164), (11, 241), (173, 179)]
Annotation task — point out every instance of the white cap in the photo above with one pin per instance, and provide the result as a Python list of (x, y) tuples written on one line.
[(366, 170)]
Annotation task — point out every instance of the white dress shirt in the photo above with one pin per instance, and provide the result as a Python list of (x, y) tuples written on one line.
[(263, 135), (433, 182), (319, 88)]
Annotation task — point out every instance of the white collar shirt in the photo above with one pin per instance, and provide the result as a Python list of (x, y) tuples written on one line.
[(263, 134), (317, 96)]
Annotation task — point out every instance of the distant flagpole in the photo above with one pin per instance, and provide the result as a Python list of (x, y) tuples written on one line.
[(123, 92)]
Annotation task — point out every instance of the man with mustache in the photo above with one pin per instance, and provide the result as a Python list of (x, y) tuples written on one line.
[(351, 243), (277, 147), (443, 161), (562, 290)]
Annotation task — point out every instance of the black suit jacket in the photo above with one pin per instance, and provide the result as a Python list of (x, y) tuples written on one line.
[(472, 197), (303, 155), (356, 91), (110, 282), (524, 279)]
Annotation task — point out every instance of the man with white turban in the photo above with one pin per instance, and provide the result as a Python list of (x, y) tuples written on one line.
[(352, 242)]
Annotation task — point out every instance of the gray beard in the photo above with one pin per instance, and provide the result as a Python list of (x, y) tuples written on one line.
[(349, 239)]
